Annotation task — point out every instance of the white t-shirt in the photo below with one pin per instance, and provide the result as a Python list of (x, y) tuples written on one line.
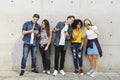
[(63, 37), (91, 34), (32, 36)]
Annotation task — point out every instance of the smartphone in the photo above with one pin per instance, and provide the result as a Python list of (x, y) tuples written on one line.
[(65, 31), (79, 50), (34, 28)]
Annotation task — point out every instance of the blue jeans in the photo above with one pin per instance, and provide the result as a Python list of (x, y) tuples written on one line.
[(77, 55), (26, 49)]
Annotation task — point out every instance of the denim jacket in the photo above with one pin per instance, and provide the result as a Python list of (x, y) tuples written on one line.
[(28, 26), (61, 25)]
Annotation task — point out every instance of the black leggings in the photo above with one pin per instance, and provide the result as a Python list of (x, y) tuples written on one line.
[(45, 57)]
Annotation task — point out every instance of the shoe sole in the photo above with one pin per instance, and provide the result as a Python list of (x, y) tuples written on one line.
[(92, 76), (74, 73), (63, 74), (82, 74), (54, 74)]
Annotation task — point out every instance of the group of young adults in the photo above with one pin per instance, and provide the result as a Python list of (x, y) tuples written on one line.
[(72, 30)]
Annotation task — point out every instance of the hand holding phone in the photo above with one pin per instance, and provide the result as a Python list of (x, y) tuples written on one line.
[(56, 29), (66, 33)]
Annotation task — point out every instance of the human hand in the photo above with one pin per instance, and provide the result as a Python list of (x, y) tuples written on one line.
[(89, 27), (56, 29), (43, 37), (35, 31), (66, 33), (46, 48), (31, 31)]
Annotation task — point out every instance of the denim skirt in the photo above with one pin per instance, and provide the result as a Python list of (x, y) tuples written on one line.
[(92, 51)]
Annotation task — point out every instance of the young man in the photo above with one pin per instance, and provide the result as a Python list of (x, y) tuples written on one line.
[(30, 30), (63, 32)]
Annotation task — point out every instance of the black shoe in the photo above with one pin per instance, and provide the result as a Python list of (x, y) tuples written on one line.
[(22, 72), (35, 71)]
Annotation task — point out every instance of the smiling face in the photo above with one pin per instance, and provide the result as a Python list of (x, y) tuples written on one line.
[(34, 20), (43, 25), (87, 22), (78, 26), (70, 20)]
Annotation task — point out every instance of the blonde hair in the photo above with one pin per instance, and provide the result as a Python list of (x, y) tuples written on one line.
[(91, 24)]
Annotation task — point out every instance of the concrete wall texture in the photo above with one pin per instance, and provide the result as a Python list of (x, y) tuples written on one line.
[(104, 13)]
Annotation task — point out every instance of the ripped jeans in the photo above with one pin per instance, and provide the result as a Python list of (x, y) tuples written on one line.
[(77, 55)]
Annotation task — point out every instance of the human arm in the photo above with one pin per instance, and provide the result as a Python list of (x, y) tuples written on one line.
[(49, 41), (56, 29), (95, 29)]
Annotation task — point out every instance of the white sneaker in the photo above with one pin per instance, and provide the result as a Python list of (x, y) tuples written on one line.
[(48, 72), (81, 74), (93, 74), (55, 72), (90, 72), (43, 71), (62, 72)]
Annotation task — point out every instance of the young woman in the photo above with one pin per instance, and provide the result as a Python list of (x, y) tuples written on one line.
[(76, 45), (93, 48), (44, 45)]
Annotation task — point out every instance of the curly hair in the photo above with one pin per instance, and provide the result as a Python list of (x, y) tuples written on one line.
[(76, 22)]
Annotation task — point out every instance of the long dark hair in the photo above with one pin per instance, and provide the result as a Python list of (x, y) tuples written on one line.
[(47, 26)]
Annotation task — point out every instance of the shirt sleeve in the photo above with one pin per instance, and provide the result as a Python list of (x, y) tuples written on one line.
[(58, 25), (24, 28)]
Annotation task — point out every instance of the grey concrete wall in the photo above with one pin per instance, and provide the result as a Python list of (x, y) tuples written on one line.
[(104, 13)]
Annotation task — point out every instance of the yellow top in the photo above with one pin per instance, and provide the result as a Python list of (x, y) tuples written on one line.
[(77, 36)]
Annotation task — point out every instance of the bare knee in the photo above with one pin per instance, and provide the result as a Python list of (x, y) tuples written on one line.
[(95, 57), (90, 57)]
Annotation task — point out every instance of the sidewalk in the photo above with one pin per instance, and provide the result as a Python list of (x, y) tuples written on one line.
[(11, 75)]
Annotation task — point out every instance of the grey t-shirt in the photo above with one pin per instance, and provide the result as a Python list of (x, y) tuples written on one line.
[(44, 41)]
